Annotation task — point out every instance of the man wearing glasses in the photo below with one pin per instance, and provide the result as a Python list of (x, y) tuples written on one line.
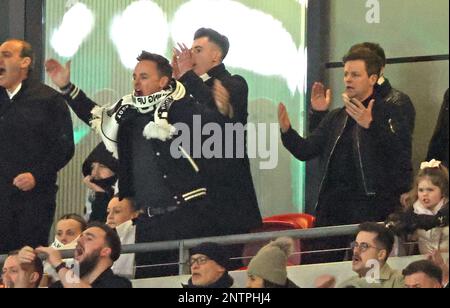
[(209, 263), (371, 250)]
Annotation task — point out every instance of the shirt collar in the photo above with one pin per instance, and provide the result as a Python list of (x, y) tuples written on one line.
[(205, 77), (14, 93), (381, 80), (214, 72)]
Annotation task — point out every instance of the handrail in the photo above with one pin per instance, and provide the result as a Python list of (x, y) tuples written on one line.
[(183, 246)]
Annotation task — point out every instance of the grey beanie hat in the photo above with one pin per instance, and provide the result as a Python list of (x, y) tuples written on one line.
[(271, 261)]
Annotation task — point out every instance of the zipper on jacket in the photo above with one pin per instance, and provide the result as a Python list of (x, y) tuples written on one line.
[(358, 146), (329, 159)]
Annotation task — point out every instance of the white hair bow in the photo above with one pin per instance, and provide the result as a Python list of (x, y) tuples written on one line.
[(430, 164)]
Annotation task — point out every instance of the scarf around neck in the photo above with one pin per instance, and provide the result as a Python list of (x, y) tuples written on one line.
[(106, 120)]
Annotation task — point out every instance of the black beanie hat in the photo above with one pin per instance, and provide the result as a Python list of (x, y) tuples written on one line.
[(100, 155), (213, 251)]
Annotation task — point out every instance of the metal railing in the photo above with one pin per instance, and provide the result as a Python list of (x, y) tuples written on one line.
[(183, 246)]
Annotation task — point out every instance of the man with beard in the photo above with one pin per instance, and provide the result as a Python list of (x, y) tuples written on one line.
[(97, 249), (36, 141)]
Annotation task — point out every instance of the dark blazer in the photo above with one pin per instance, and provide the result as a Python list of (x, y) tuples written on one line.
[(36, 136)]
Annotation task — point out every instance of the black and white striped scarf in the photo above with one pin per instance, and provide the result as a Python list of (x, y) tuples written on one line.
[(106, 120)]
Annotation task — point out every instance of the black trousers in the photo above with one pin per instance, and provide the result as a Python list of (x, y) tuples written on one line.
[(26, 219), (187, 222)]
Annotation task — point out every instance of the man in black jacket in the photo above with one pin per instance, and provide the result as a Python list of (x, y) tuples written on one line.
[(139, 131), (365, 148), (225, 99), (36, 140), (321, 99)]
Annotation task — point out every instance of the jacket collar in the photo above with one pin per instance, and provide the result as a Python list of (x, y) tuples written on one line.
[(214, 73), (384, 89), (26, 83), (217, 70)]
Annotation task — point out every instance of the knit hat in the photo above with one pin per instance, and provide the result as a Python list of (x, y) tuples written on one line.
[(100, 155), (271, 261), (214, 252)]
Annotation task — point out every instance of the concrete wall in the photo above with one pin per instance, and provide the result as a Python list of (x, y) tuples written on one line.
[(4, 20)]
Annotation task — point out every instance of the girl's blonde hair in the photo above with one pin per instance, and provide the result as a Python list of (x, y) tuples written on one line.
[(438, 177)]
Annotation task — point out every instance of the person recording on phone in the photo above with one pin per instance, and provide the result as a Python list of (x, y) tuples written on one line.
[(364, 148)]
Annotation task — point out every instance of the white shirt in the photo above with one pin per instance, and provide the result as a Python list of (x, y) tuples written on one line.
[(14, 93), (124, 266)]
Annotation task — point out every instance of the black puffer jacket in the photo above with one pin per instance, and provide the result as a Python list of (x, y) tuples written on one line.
[(408, 222)]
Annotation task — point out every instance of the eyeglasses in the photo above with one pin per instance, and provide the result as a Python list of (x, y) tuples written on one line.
[(363, 247), (199, 261)]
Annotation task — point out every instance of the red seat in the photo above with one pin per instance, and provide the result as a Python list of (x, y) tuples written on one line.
[(251, 249), (280, 223), (302, 221)]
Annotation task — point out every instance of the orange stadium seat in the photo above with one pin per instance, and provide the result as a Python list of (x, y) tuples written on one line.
[(280, 223)]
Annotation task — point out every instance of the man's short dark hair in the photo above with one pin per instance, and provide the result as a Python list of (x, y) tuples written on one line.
[(373, 62), (75, 217), (374, 47), (424, 266), (37, 267), (163, 65), (384, 239), (111, 238), (220, 40), (27, 51)]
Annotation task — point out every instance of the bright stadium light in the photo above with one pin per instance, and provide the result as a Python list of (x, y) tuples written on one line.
[(76, 26)]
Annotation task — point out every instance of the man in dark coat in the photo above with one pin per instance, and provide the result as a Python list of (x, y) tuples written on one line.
[(225, 97), (36, 140), (139, 130), (365, 149)]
